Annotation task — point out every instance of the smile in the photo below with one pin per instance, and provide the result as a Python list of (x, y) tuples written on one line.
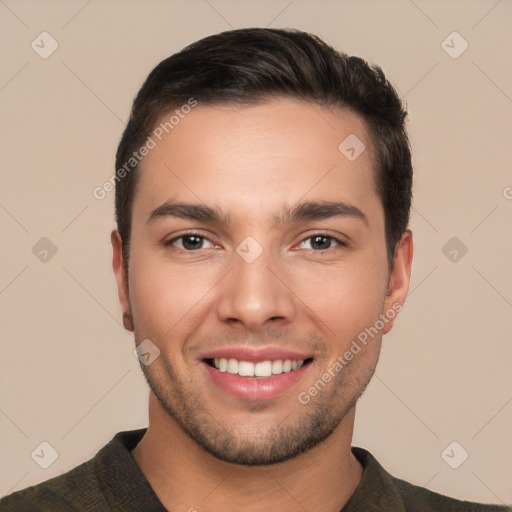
[(256, 380), (259, 369)]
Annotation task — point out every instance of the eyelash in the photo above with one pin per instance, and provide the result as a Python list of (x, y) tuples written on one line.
[(197, 235)]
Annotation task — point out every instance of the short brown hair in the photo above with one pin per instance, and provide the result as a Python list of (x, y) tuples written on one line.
[(251, 65)]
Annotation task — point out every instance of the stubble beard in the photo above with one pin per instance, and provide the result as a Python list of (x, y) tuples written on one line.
[(313, 423)]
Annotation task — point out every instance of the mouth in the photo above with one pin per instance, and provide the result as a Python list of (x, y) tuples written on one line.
[(261, 369), (255, 380)]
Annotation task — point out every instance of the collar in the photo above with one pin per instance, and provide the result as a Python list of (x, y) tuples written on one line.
[(124, 483)]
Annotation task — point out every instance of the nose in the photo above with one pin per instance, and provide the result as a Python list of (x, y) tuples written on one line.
[(255, 294)]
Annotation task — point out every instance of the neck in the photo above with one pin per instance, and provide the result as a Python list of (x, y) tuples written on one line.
[(185, 477)]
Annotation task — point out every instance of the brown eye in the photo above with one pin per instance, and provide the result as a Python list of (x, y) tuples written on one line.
[(322, 242), (188, 242)]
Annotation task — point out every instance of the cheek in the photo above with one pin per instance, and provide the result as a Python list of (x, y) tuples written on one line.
[(169, 300), (346, 299), (164, 297)]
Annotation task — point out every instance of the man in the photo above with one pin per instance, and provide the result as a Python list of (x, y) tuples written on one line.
[(263, 188)]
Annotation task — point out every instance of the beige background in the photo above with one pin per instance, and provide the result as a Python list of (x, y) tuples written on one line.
[(68, 374)]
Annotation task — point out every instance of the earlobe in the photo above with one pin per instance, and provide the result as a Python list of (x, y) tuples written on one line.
[(121, 275), (128, 321), (399, 279)]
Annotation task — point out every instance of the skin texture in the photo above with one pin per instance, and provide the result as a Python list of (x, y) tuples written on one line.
[(204, 448)]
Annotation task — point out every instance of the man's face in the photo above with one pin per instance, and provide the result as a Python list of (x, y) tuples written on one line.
[(254, 285)]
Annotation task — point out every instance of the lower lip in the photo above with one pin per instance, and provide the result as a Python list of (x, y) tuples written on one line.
[(256, 388)]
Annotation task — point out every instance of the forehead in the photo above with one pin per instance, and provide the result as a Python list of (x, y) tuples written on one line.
[(255, 158)]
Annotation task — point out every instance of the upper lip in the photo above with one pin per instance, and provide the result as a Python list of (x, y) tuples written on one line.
[(255, 354)]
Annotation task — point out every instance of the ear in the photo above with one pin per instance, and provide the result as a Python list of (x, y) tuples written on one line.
[(122, 279), (399, 278)]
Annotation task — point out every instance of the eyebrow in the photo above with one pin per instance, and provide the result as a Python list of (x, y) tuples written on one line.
[(310, 210)]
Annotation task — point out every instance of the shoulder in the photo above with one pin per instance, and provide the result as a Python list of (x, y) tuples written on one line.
[(90, 486), (75, 490), (415, 497), (384, 492)]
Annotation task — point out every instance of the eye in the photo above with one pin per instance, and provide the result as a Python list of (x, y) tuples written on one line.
[(321, 242), (189, 242)]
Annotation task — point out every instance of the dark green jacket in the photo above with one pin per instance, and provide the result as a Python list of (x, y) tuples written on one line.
[(112, 481)]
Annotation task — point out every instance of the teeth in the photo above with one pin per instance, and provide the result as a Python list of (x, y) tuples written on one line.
[(246, 369), (277, 367), (232, 366), (261, 369)]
